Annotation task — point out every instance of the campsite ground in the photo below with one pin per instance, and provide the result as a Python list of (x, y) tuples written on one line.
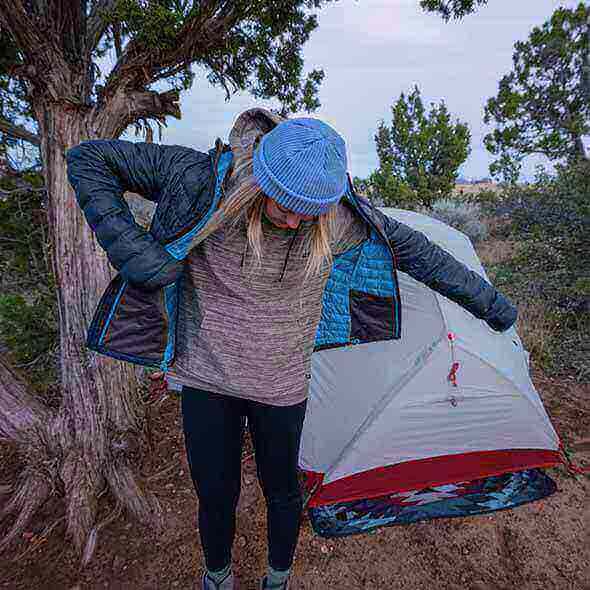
[(537, 546)]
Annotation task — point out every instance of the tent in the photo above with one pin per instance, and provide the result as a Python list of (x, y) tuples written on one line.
[(444, 422)]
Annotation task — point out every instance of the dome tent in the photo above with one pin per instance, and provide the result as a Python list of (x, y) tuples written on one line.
[(444, 422)]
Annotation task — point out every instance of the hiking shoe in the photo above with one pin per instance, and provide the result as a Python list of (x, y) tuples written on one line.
[(230, 583), (264, 586)]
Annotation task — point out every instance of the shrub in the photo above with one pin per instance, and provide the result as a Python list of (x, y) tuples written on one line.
[(549, 222), (560, 202), (28, 307), (465, 217), (28, 329)]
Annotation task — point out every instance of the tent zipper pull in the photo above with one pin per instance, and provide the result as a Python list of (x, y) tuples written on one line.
[(452, 377)]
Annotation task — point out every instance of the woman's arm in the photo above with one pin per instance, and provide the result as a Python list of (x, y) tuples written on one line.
[(100, 172), (428, 263)]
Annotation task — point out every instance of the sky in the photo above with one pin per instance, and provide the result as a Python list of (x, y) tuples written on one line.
[(373, 50)]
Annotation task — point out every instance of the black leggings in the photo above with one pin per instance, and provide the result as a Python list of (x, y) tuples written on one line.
[(213, 427)]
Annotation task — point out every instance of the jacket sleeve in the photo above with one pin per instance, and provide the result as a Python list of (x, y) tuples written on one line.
[(100, 171), (428, 263)]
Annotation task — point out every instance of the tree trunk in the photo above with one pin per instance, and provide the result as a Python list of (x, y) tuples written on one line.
[(95, 437), (28, 424)]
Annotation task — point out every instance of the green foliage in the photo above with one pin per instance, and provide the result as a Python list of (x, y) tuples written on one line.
[(550, 220), (258, 50), (486, 200), (452, 8), (420, 154), (28, 314), (153, 24), (26, 328), (554, 204), (387, 190), (543, 105)]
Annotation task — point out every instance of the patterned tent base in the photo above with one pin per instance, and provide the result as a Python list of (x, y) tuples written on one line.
[(461, 499)]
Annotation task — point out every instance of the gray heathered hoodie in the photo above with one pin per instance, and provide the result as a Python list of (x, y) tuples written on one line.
[(250, 334)]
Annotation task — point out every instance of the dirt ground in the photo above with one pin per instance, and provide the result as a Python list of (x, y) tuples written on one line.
[(544, 545)]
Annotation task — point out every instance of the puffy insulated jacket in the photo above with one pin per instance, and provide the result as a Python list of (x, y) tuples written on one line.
[(136, 318)]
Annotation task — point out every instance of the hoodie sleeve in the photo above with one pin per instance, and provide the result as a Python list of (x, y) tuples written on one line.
[(100, 172), (428, 263)]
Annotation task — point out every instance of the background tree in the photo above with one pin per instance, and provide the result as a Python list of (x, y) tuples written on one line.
[(50, 51), (420, 154), (452, 8), (13, 109), (543, 105)]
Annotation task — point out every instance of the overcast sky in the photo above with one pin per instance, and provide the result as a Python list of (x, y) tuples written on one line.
[(371, 51)]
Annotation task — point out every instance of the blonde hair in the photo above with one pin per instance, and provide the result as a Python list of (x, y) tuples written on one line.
[(245, 202)]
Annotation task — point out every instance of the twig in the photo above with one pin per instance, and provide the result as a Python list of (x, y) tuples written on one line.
[(5, 194), (14, 241), (31, 363)]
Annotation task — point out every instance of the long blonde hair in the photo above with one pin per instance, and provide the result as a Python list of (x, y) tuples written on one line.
[(245, 201)]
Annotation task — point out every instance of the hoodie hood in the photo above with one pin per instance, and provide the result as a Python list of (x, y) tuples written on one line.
[(244, 136), (247, 130)]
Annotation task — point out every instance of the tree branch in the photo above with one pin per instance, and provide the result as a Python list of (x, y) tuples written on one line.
[(26, 33), (96, 24), (35, 31), (125, 108), (117, 40), (18, 132), (200, 36)]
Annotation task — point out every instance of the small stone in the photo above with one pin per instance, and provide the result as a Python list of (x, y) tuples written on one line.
[(181, 472), (248, 479), (324, 549), (242, 542)]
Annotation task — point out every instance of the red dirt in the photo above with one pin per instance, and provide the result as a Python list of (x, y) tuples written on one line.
[(537, 546)]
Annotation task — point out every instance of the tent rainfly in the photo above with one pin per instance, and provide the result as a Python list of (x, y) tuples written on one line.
[(444, 422)]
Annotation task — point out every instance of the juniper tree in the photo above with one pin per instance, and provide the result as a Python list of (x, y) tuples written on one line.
[(49, 64)]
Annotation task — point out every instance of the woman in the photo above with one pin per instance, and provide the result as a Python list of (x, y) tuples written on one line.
[(238, 281)]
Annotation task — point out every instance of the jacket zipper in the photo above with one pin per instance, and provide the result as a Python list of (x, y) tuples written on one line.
[(186, 230), (218, 152)]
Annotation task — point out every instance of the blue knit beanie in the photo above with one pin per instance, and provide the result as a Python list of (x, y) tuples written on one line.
[(301, 164)]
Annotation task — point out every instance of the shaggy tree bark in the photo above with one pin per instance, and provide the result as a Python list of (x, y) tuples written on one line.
[(93, 441)]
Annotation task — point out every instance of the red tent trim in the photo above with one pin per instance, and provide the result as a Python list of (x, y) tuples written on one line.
[(423, 473)]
